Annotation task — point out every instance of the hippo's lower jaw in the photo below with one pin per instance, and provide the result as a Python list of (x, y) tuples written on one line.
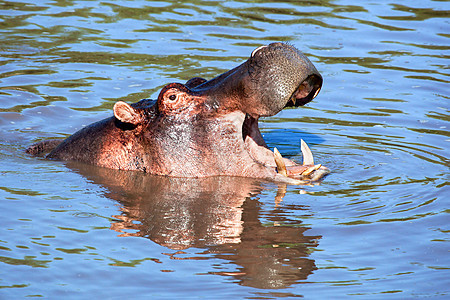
[(279, 168)]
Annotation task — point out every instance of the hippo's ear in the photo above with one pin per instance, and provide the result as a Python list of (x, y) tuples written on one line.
[(125, 113)]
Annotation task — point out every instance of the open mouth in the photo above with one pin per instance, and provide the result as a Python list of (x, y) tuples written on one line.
[(286, 169), (307, 91)]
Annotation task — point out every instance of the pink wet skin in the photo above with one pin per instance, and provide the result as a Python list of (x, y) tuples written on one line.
[(203, 128)]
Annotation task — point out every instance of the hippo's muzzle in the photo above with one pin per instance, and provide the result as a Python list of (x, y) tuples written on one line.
[(274, 77)]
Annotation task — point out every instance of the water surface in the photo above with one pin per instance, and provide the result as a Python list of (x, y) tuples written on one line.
[(377, 227)]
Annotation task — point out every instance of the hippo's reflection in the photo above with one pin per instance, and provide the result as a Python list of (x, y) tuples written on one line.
[(221, 215)]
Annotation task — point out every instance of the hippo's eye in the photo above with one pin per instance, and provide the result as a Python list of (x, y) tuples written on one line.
[(172, 97)]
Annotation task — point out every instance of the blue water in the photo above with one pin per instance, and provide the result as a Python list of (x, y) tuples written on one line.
[(375, 228)]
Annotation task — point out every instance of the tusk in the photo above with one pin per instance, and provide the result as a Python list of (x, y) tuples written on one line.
[(308, 158), (294, 101), (316, 93), (321, 172), (311, 169), (281, 167)]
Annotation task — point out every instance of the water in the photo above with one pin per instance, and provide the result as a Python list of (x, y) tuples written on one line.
[(377, 227)]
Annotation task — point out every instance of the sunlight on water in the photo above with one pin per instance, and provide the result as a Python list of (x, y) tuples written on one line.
[(375, 227)]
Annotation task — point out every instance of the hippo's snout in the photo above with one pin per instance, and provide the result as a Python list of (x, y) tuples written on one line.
[(287, 76), (275, 76)]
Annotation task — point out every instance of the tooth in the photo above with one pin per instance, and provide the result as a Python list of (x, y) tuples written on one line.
[(308, 158), (311, 169), (316, 93), (281, 167), (257, 49)]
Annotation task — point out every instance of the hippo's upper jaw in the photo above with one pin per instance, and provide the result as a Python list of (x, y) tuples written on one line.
[(206, 128), (274, 76)]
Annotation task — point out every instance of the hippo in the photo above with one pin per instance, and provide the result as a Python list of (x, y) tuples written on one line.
[(204, 127)]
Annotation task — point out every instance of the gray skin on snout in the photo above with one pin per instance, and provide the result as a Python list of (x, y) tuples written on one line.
[(200, 128)]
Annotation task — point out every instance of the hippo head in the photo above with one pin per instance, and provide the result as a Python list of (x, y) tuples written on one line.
[(209, 128)]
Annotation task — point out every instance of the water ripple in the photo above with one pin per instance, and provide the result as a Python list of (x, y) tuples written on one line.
[(381, 124)]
